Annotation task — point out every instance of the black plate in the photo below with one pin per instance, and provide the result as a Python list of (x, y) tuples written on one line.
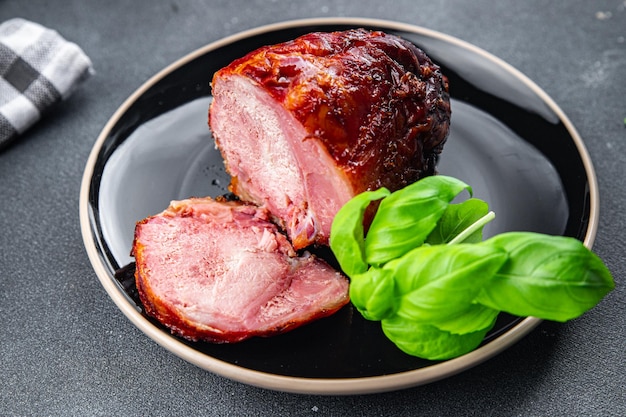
[(508, 140)]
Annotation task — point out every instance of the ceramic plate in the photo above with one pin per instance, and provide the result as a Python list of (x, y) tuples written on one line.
[(508, 140)]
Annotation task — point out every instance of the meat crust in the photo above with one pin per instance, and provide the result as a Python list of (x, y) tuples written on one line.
[(305, 125), (221, 272)]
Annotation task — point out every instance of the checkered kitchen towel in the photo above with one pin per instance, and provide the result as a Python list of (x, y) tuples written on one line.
[(37, 69)]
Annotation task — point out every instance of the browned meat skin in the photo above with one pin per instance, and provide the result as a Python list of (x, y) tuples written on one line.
[(220, 272), (375, 102)]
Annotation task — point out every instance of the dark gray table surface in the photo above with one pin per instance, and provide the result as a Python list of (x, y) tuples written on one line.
[(67, 350)]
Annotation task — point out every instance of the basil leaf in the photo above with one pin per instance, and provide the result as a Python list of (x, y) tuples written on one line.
[(346, 233), (372, 293), (455, 219), (551, 277), (476, 317), (427, 341), (423, 271), (407, 217), (438, 283)]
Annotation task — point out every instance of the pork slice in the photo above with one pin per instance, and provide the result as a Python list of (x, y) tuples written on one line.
[(305, 125), (219, 271)]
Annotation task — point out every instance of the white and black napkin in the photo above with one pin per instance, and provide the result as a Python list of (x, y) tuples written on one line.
[(38, 68)]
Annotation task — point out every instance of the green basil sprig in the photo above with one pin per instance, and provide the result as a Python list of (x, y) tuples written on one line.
[(424, 271), (396, 229), (551, 277)]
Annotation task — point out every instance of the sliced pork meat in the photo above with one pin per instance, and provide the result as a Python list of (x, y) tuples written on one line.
[(219, 271), (305, 125)]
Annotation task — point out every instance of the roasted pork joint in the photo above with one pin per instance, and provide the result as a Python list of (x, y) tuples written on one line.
[(305, 125), (219, 271)]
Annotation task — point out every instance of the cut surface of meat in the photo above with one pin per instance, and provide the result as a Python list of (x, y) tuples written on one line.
[(305, 125), (219, 271)]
